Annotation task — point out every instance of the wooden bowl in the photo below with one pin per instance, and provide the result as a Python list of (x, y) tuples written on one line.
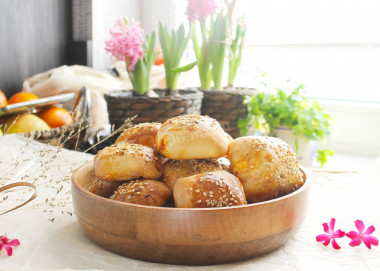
[(183, 235)]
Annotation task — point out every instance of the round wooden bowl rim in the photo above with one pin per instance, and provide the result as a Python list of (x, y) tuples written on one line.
[(83, 190)]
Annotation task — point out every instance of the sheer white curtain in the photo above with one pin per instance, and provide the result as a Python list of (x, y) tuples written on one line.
[(332, 47)]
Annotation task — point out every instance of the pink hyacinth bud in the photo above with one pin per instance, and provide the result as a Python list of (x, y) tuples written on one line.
[(127, 38), (200, 9)]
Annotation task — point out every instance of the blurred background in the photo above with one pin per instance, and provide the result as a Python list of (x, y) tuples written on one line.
[(332, 47)]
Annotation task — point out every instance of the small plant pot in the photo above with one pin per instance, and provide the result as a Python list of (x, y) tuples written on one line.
[(122, 105), (307, 150), (227, 107)]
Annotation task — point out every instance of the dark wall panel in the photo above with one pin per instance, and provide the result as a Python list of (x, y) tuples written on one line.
[(33, 38)]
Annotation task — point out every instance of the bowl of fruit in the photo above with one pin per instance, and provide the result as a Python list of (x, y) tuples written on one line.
[(42, 119)]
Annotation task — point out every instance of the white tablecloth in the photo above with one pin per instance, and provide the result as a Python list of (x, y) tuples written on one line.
[(51, 238)]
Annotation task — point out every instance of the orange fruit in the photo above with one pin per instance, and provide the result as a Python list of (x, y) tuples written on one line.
[(22, 97), (56, 116), (159, 59), (3, 99)]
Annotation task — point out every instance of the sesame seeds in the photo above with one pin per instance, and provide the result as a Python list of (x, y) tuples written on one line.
[(122, 149), (216, 193), (265, 165), (130, 189)]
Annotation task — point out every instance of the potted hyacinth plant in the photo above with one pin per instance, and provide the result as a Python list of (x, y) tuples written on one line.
[(218, 40), (128, 44), (173, 45)]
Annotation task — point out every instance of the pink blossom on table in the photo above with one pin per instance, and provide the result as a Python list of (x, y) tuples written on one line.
[(7, 244), (126, 43), (330, 234), (200, 9), (361, 235)]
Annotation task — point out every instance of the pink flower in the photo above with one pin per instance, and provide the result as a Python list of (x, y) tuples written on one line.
[(200, 9), (126, 43), (8, 244), (330, 234), (367, 237)]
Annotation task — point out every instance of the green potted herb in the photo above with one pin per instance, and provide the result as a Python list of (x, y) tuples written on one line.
[(305, 118)]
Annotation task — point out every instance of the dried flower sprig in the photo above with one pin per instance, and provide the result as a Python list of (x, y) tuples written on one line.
[(127, 124), (55, 189)]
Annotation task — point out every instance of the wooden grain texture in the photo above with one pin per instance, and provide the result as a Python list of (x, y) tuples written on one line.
[(186, 236), (34, 37)]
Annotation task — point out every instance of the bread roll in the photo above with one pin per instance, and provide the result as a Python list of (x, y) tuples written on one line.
[(144, 192), (174, 169), (266, 166), (123, 162), (209, 189), (143, 133), (104, 188), (191, 137), (229, 138)]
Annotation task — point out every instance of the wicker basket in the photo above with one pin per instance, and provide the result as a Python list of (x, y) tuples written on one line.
[(227, 107), (69, 137), (122, 105)]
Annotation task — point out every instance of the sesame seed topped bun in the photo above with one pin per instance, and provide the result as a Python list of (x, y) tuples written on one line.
[(191, 137), (123, 162), (143, 133), (104, 188), (174, 169), (209, 189), (266, 166), (143, 192)]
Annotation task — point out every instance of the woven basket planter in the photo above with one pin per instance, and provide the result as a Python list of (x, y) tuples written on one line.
[(227, 107), (122, 105)]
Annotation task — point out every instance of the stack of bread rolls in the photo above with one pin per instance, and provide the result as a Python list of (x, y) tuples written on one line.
[(190, 162)]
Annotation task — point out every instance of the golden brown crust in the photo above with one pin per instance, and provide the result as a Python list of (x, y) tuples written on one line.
[(104, 188), (266, 166), (123, 162), (209, 189), (143, 133), (191, 137), (143, 192), (174, 169), (229, 138)]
